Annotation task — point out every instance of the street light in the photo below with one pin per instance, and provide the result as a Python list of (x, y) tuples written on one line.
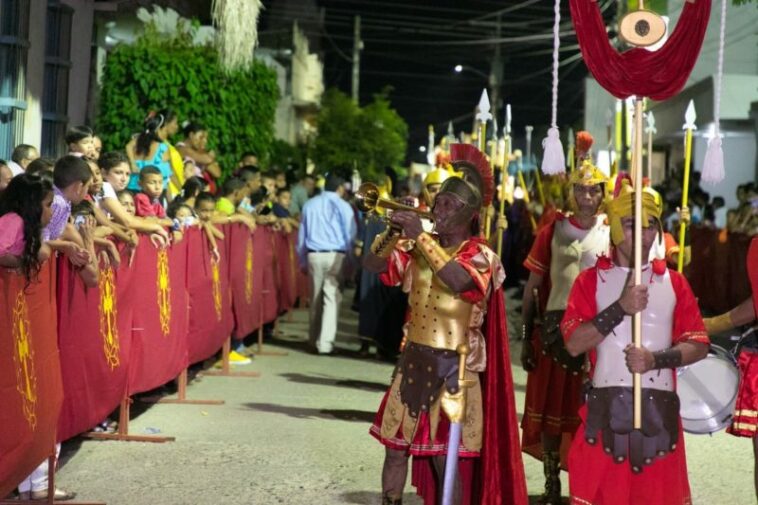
[(460, 68)]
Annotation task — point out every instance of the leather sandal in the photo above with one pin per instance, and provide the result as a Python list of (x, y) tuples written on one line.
[(58, 495)]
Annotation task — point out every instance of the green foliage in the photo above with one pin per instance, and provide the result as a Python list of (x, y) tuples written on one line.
[(286, 157), (158, 71), (368, 139)]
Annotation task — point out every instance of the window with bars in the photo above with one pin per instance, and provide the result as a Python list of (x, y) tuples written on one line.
[(14, 43), (57, 68)]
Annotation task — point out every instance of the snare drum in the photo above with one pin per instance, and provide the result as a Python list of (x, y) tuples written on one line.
[(707, 392)]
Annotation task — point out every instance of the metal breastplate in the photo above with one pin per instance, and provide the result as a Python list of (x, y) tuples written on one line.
[(439, 318), (573, 250), (657, 323)]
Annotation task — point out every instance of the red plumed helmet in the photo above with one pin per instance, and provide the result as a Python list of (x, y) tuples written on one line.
[(470, 160)]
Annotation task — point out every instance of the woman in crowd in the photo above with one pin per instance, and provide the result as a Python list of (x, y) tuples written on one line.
[(193, 187), (149, 149), (194, 146)]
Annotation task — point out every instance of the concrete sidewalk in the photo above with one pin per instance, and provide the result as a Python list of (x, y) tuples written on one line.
[(299, 435)]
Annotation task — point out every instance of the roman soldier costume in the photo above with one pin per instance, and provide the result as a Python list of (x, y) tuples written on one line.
[(425, 398), (609, 461), (560, 252)]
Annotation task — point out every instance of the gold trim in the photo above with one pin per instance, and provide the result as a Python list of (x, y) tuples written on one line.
[(744, 426), (249, 270), (217, 299), (108, 309), (163, 281), (23, 357), (746, 413)]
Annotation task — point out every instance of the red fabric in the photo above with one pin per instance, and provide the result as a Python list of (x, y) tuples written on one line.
[(553, 398), (752, 271), (28, 349), (718, 271), (688, 322), (246, 281), (210, 302), (287, 269), (95, 335), (657, 74), (497, 476), (264, 250), (146, 208), (538, 260), (595, 478), (745, 421), (157, 355)]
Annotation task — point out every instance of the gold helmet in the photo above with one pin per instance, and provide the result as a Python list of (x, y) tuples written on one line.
[(622, 205), (585, 175), (436, 177)]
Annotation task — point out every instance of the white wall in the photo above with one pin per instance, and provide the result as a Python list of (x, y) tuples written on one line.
[(35, 73)]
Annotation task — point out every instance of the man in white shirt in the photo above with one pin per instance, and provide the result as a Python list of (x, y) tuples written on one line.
[(22, 155)]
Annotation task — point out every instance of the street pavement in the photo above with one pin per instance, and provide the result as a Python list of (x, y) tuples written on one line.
[(299, 435)]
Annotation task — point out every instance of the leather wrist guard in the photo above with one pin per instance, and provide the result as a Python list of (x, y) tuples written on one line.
[(385, 242), (718, 324), (668, 358), (609, 318), (432, 251)]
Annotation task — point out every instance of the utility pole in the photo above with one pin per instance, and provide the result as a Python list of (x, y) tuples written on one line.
[(357, 46), (496, 70)]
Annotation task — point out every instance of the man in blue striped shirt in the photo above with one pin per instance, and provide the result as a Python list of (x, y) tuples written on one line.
[(326, 234)]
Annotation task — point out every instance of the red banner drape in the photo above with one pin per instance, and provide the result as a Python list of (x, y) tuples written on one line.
[(655, 74), (247, 280), (718, 273), (210, 297), (159, 343), (30, 376), (287, 270), (95, 336), (265, 249)]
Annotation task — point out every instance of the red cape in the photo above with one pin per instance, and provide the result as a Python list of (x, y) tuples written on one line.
[(497, 476)]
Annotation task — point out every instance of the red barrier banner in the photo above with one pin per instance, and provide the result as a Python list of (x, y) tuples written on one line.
[(718, 273), (287, 270), (159, 343), (95, 337), (210, 298), (246, 279), (30, 375), (265, 247)]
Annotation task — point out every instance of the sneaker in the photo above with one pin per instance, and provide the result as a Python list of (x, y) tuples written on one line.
[(238, 359)]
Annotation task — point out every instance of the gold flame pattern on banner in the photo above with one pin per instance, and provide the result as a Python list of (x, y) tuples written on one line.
[(249, 270), (23, 357), (109, 317), (164, 292), (217, 300)]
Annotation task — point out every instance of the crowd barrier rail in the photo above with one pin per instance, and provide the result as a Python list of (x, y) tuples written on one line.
[(70, 355)]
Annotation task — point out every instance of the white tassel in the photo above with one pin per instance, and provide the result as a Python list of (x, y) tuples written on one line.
[(713, 165), (553, 159)]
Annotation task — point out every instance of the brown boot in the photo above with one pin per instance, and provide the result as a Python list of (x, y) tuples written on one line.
[(551, 463)]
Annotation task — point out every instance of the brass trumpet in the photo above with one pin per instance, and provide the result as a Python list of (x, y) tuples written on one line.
[(367, 199)]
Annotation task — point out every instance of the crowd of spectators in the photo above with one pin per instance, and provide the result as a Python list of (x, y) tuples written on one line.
[(83, 203)]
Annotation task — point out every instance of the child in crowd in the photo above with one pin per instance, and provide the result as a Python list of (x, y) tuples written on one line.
[(81, 142), (115, 169), (193, 186), (126, 199), (280, 209), (148, 201), (40, 165), (25, 208), (232, 193)]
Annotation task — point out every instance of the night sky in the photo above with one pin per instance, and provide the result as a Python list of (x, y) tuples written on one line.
[(413, 47)]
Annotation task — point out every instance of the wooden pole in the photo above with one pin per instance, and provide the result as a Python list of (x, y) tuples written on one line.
[(637, 318), (122, 434)]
